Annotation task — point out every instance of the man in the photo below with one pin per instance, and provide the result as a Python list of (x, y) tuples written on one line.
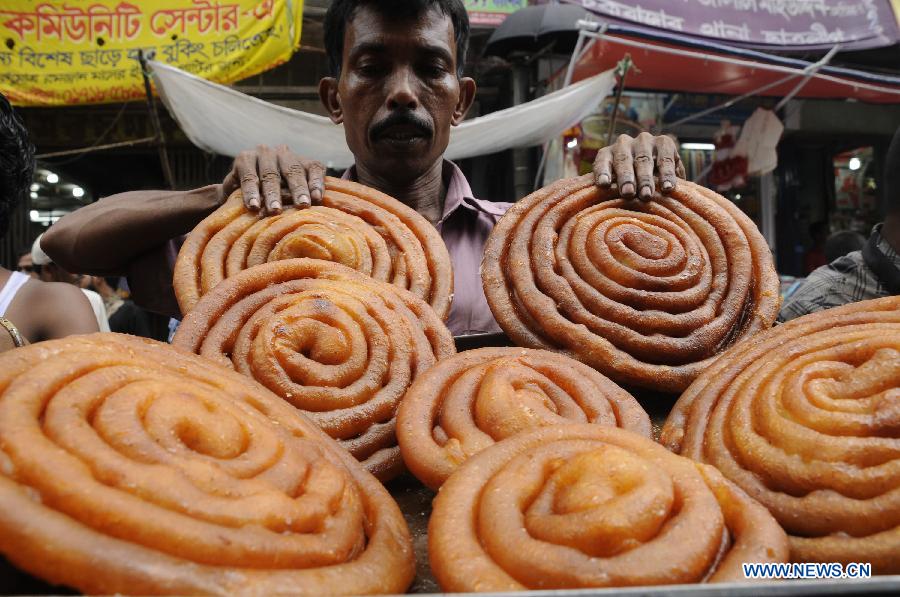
[(27, 267), (30, 310), (397, 88), (873, 272), (108, 289), (52, 272)]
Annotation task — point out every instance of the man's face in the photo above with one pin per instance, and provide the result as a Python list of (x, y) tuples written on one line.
[(398, 94), (26, 266)]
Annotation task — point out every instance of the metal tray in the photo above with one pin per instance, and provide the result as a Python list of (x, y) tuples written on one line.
[(415, 503)]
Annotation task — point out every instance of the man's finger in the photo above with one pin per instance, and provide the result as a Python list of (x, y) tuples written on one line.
[(603, 168), (315, 174), (267, 163), (623, 166), (245, 166), (666, 154), (643, 150), (230, 184), (292, 170), (679, 167)]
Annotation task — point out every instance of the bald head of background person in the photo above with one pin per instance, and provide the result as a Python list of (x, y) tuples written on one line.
[(40, 311), (398, 89)]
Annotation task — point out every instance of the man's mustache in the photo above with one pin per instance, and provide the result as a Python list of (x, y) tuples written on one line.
[(402, 118)]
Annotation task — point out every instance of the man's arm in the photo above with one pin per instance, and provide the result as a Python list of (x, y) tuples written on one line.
[(105, 237)]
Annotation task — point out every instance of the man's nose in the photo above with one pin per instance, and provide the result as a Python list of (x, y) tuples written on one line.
[(401, 91)]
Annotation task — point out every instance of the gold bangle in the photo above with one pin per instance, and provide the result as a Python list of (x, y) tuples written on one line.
[(17, 338)]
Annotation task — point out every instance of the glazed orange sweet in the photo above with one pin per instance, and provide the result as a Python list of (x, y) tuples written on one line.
[(647, 293), (128, 466), (806, 419), (469, 401), (338, 345), (585, 506), (354, 225)]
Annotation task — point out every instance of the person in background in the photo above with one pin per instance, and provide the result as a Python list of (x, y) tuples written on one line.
[(124, 316), (815, 255), (843, 243), (52, 272), (27, 267), (108, 289), (397, 88), (869, 273), (30, 310)]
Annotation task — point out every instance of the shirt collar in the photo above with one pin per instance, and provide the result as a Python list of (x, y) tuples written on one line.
[(459, 193)]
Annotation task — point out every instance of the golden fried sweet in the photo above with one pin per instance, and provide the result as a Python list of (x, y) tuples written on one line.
[(647, 293), (338, 345), (354, 225), (581, 506), (806, 419), (128, 466), (468, 402)]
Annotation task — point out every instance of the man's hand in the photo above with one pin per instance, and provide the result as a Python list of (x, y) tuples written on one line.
[(264, 172), (630, 163)]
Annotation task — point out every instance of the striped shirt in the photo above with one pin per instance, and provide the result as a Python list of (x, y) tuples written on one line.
[(848, 279)]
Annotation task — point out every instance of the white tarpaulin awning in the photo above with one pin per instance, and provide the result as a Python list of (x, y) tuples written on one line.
[(225, 121)]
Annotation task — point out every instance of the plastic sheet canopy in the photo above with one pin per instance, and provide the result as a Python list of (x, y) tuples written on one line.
[(225, 121)]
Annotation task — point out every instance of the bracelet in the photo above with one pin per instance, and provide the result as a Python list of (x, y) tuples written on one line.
[(17, 338)]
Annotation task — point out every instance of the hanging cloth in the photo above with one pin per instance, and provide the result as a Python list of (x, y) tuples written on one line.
[(223, 120)]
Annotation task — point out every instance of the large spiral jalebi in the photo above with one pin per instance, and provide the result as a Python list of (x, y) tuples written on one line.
[(354, 225), (581, 506), (338, 345), (468, 402), (806, 419), (648, 293), (127, 466)]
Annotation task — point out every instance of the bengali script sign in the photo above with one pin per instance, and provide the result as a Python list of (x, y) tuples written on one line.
[(78, 52), (765, 23), (491, 13)]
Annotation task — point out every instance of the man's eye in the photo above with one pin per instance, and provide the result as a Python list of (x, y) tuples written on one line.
[(434, 70), (367, 70)]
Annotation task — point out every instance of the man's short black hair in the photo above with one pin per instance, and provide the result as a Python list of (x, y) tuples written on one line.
[(16, 162), (892, 175), (341, 12)]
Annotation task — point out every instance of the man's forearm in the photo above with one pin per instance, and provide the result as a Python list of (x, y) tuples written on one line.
[(102, 238)]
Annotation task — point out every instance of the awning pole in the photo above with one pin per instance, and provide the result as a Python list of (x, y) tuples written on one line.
[(623, 67), (581, 48), (157, 127), (795, 72), (575, 54), (809, 71), (733, 101)]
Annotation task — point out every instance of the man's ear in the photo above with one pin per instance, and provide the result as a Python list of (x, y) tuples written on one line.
[(466, 98), (328, 94)]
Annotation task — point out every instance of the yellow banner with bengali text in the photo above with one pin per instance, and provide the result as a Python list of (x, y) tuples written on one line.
[(67, 52)]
